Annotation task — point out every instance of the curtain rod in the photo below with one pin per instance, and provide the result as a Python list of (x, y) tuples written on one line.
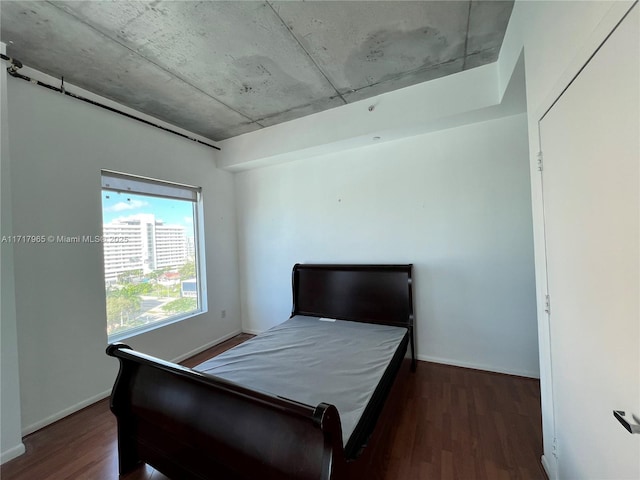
[(16, 64)]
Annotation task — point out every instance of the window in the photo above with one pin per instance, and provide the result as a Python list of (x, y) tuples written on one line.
[(152, 267)]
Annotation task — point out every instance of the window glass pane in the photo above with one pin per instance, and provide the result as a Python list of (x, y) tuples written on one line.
[(150, 260)]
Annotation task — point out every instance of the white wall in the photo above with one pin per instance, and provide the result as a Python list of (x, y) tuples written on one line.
[(58, 147), (10, 437), (454, 203), (557, 38)]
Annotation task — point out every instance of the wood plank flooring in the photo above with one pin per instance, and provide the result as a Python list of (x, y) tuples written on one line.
[(460, 423), (457, 423)]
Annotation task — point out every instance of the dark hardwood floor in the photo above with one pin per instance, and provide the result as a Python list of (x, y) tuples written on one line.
[(456, 423)]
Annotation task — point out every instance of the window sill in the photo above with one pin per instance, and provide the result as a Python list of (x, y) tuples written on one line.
[(120, 336)]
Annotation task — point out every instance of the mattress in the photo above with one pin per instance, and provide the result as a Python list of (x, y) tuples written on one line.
[(350, 365)]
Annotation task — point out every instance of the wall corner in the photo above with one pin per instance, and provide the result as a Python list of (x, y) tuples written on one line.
[(11, 444)]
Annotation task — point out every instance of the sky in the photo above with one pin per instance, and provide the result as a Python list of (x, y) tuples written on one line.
[(172, 212)]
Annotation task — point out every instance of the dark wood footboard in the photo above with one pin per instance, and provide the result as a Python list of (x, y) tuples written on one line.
[(191, 425)]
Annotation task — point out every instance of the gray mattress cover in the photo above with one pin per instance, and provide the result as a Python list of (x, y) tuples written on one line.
[(312, 361)]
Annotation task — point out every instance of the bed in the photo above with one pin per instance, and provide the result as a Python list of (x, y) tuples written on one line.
[(300, 401)]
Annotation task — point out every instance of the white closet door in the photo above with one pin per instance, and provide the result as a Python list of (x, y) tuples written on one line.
[(590, 143)]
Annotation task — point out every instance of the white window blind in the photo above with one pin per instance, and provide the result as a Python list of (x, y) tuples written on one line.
[(118, 182)]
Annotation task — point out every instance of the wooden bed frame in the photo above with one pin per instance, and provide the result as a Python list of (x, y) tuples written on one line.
[(190, 425)]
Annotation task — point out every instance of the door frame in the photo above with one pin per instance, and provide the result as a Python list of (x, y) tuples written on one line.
[(613, 18)]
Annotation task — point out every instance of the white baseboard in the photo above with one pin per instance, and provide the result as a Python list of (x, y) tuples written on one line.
[(475, 366), (251, 331), (12, 453), (64, 413), (549, 468), (89, 401), (204, 347)]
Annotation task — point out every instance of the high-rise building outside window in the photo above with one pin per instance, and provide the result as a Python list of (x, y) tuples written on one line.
[(152, 257)]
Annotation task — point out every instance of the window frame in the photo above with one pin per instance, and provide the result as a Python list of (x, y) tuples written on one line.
[(118, 182)]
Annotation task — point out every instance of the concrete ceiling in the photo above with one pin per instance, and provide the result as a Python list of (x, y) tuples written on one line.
[(221, 69)]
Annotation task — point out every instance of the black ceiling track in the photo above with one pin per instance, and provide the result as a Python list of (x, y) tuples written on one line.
[(16, 64)]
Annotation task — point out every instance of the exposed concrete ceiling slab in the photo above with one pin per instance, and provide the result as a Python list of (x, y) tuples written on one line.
[(487, 23), (235, 51), (481, 58), (406, 80), (85, 57), (303, 111), (357, 45), (220, 69)]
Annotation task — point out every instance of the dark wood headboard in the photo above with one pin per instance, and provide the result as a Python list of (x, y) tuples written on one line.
[(362, 293), (379, 294)]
